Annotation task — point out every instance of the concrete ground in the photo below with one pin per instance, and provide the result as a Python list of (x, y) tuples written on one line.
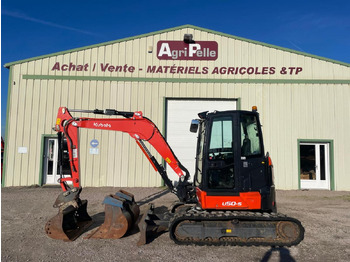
[(25, 211)]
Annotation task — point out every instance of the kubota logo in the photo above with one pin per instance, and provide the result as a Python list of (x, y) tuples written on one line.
[(232, 204), (102, 125)]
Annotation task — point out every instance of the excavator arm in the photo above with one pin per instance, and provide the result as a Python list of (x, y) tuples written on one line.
[(138, 127)]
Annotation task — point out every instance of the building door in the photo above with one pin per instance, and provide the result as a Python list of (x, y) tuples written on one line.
[(314, 166), (180, 113), (51, 170)]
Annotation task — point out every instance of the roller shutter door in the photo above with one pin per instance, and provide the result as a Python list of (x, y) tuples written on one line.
[(182, 141)]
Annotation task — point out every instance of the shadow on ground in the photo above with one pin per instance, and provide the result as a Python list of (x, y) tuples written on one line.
[(283, 252)]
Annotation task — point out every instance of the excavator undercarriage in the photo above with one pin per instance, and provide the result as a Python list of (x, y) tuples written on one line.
[(188, 225), (235, 228)]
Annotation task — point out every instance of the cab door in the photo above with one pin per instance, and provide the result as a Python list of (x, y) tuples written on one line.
[(252, 166)]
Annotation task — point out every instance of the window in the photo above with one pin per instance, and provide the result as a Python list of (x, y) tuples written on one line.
[(221, 135), (221, 172), (199, 164), (250, 138)]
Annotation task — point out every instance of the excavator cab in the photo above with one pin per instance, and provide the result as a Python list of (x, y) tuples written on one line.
[(231, 167)]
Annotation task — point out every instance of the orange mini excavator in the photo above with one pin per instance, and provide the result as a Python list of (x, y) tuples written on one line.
[(231, 200)]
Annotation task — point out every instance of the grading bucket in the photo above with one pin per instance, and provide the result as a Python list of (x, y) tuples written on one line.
[(121, 213)]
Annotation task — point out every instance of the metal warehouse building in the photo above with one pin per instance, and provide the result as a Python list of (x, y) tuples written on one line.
[(171, 75)]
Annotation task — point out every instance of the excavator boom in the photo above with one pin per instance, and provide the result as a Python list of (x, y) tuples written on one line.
[(138, 127)]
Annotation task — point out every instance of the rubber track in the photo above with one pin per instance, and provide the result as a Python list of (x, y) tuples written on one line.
[(194, 215)]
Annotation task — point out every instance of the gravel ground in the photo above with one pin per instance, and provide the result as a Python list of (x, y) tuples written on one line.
[(24, 212)]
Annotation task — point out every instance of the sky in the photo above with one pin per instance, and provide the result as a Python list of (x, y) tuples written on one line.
[(34, 28)]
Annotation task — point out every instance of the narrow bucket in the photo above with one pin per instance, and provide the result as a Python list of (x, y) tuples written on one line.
[(72, 218), (151, 225), (121, 213), (143, 225)]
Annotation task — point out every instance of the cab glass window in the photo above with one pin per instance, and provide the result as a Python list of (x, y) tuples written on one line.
[(250, 138), (200, 150), (221, 135), (221, 164)]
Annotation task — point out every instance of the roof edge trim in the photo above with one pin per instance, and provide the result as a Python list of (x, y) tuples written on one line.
[(7, 65)]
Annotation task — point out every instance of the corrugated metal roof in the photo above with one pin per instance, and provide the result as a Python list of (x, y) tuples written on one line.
[(174, 29)]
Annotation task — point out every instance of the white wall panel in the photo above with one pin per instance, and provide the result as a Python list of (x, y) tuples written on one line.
[(289, 111)]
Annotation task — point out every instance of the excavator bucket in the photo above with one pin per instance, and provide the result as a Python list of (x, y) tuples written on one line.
[(151, 225), (72, 218), (121, 213), (143, 225)]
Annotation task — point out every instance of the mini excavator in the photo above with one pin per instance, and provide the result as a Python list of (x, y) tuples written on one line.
[(231, 200)]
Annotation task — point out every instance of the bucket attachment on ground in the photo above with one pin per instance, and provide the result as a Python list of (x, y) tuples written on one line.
[(150, 225), (72, 218), (143, 225), (121, 213)]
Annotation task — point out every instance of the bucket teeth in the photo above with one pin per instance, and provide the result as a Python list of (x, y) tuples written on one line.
[(121, 213), (72, 218)]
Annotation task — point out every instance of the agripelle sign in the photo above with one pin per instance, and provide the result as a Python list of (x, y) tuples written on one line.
[(176, 51), (179, 50)]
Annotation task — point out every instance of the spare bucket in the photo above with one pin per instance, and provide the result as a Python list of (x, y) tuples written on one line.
[(121, 213), (72, 218)]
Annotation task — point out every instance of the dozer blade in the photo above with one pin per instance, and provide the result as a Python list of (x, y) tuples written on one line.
[(72, 218), (121, 212)]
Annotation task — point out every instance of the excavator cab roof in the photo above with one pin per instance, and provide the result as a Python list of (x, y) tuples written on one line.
[(204, 115)]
